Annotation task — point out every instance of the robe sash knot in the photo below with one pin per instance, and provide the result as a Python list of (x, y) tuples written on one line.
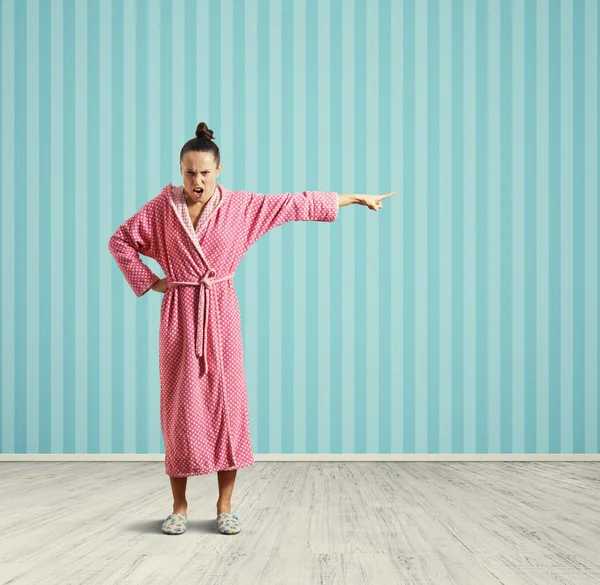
[(205, 285)]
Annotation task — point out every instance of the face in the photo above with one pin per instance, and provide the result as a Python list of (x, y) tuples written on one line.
[(199, 171)]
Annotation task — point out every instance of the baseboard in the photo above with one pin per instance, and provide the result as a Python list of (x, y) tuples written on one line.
[(317, 457)]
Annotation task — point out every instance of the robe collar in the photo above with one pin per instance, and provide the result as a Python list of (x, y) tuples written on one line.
[(174, 194)]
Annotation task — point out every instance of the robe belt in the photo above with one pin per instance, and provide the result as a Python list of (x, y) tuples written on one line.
[(203, 309)]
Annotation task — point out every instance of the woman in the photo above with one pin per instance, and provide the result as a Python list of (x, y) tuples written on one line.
[(199, 233)]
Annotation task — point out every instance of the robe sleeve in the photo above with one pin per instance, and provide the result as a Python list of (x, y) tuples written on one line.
[(264, 212), (135, 237)]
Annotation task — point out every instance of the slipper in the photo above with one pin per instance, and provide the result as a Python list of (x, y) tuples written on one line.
[(175, 524), (228, 523)]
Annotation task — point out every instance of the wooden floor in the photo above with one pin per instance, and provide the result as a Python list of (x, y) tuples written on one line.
[(305, 523)]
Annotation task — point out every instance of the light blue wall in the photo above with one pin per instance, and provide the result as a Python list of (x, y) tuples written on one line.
[(462, 318)]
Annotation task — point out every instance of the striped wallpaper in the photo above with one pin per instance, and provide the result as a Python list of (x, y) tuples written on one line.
[(461, 318)]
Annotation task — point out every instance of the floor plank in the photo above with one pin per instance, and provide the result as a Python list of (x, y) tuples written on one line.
[(305, 523)]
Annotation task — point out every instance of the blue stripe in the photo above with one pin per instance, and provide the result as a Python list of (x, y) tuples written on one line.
[(457, 230), (531, 231), (47, 176), (408, 423), (215, 51), (579, 251), (312, 231), (191, 64), (433, 219), (336, 288), (166, 91), (360, 232), (555, 276), (287, 269), (117, 207), (2, 317), (385, 230), (68, 252), (20, 235), (506, 211), (92, 231), (481, 256), (2, 314)]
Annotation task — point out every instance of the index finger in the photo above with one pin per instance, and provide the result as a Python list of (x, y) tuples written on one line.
[(388, 195)]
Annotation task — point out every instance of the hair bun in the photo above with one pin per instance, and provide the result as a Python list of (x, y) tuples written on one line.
[(204, 132)]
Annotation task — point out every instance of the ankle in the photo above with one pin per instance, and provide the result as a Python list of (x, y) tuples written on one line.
[(223, 506), (180, 506)]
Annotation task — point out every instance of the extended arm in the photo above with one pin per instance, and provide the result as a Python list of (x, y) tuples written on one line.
[(265, 212)]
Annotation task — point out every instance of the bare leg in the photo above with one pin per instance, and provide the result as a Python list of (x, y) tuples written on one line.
[(226, 480), (178, 485)]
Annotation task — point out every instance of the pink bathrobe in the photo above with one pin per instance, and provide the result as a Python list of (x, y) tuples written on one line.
[(203, 399)]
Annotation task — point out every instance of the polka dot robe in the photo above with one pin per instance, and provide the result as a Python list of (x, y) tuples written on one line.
[(203, 398)]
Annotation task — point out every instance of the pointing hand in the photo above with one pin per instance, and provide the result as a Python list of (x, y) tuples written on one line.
[(373, 201)]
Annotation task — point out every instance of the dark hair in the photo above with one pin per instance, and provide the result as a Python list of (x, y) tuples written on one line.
[(202, 143)]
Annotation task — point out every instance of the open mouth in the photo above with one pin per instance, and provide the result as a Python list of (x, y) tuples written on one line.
[(198, 192)]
